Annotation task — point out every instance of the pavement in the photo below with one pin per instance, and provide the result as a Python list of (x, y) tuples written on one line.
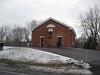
[(77, 53)]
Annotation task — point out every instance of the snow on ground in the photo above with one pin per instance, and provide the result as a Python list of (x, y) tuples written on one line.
[(37, 56), (34, 55), (62, 70)]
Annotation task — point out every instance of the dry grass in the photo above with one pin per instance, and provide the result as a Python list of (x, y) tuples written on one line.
[(51, 65)]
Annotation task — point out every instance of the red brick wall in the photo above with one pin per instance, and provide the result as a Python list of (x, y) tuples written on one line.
[(59, 30)]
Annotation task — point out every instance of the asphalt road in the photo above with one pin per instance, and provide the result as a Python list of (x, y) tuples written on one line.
[(76, 53), (6, 70)]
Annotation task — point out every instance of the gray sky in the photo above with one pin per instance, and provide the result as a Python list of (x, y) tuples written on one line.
[(21, 11)]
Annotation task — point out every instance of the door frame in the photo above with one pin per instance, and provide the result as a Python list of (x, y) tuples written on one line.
[(41, 41), (59, 44)]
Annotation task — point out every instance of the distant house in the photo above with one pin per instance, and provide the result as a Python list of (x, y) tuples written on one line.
[(52, 32)]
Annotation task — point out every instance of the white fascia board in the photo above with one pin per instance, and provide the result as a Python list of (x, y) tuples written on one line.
[(41, 23), (70, 28)]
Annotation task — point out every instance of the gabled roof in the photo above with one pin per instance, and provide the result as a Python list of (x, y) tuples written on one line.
[(69, 27)]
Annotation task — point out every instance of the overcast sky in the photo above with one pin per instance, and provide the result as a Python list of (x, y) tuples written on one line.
[(21, 11)]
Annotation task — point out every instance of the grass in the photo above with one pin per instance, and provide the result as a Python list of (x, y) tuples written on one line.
[(22, 64)]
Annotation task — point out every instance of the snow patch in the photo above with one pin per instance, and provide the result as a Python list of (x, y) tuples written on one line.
[(33, 55), (38, 56), (61, 70)]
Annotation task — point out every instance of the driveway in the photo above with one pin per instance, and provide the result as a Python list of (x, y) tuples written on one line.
[(76, 53)]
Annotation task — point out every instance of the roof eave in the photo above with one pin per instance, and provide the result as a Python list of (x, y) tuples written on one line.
[(69, 27)]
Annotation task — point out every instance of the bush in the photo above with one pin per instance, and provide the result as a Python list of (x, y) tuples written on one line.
[(91, 43)]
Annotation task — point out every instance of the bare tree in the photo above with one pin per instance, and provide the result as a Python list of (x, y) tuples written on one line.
[(90, 24), (18, 35), (79, 42), (9, 35), (3, 31), (26, 34), (31, 25)]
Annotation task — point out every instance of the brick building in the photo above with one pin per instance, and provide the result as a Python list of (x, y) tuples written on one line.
[(52, 32)]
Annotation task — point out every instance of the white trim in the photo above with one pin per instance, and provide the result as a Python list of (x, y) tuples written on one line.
[(41, 36), (40, 40), (59, 36), (50, 25), (69, 27)]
